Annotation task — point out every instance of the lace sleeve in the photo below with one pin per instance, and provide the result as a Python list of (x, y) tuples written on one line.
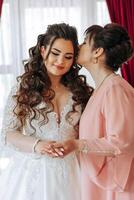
[(10, 121)]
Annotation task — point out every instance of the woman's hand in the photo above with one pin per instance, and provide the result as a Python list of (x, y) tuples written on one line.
[(66, 146)]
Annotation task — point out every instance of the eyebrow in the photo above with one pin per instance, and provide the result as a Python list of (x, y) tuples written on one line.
[(68, 53)]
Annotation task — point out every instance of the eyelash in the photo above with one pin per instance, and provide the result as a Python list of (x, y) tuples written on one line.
[(56, 54), (69, 58)]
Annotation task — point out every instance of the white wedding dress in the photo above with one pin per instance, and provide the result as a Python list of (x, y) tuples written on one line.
[(30, 176)]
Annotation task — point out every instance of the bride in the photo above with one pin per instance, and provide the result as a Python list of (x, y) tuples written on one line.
[(43, 108)]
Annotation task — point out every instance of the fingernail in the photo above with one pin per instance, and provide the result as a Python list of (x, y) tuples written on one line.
[(61, 154), (61, 149)]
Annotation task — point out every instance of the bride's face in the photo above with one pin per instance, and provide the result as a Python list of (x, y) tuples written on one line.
[(60, 58)]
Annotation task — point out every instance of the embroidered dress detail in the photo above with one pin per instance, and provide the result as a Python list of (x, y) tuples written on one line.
[(30, 176)]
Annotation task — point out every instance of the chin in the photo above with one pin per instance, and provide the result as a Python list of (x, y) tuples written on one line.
[(59, 73)]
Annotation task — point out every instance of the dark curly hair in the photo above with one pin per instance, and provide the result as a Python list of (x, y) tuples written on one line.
[(35, 84), (115, 41)]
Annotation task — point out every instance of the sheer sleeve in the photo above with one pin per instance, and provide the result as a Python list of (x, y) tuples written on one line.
[(12, 135), (10, 121)]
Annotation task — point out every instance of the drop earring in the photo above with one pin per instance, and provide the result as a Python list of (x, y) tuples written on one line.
[(95, 60)]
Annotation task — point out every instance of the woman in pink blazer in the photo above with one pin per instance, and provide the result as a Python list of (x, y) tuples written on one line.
[(106, 135)]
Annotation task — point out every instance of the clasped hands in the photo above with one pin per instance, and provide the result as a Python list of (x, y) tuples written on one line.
[(56, 149)]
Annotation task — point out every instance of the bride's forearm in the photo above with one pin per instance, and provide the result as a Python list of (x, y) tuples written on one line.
[(20, 141)]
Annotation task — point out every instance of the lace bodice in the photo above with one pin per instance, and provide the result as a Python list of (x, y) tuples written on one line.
[(51, 131), (39, 176)]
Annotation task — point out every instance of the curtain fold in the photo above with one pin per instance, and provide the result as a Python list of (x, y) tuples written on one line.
[(122, 12), (1, 1)]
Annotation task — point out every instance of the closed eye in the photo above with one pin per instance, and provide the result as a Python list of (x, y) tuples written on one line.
[(56, 54), (68, 57)]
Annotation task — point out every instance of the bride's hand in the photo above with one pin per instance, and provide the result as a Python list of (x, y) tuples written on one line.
[(47, 147)]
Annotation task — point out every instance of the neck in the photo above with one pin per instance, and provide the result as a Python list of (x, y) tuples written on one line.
[(55, 81), (99, 75), (55, 85)]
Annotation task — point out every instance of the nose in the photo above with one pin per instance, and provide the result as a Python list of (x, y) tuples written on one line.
[(60, 59)]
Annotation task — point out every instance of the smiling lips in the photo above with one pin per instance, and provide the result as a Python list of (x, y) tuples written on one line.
[(59, 67)]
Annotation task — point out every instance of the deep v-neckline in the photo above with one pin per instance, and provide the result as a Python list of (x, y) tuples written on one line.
[(62, 112), (59, 115)]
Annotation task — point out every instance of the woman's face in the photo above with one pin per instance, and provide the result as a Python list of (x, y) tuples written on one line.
[(60, 58), (85, 56)]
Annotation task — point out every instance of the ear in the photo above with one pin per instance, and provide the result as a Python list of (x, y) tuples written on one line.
[(98, 52), (42, 50)]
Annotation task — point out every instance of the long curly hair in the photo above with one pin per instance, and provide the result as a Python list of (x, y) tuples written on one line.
[(35, 84)]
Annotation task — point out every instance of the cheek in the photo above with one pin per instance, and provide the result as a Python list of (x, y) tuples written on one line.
[(49, 61), (69, 64), (85, 57)]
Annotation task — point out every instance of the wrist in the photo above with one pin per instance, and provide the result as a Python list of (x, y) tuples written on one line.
[(83, 146), (35, 144), (77, 144)]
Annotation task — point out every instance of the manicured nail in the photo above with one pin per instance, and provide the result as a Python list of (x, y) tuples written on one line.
[(61, 149), (61, 154)]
